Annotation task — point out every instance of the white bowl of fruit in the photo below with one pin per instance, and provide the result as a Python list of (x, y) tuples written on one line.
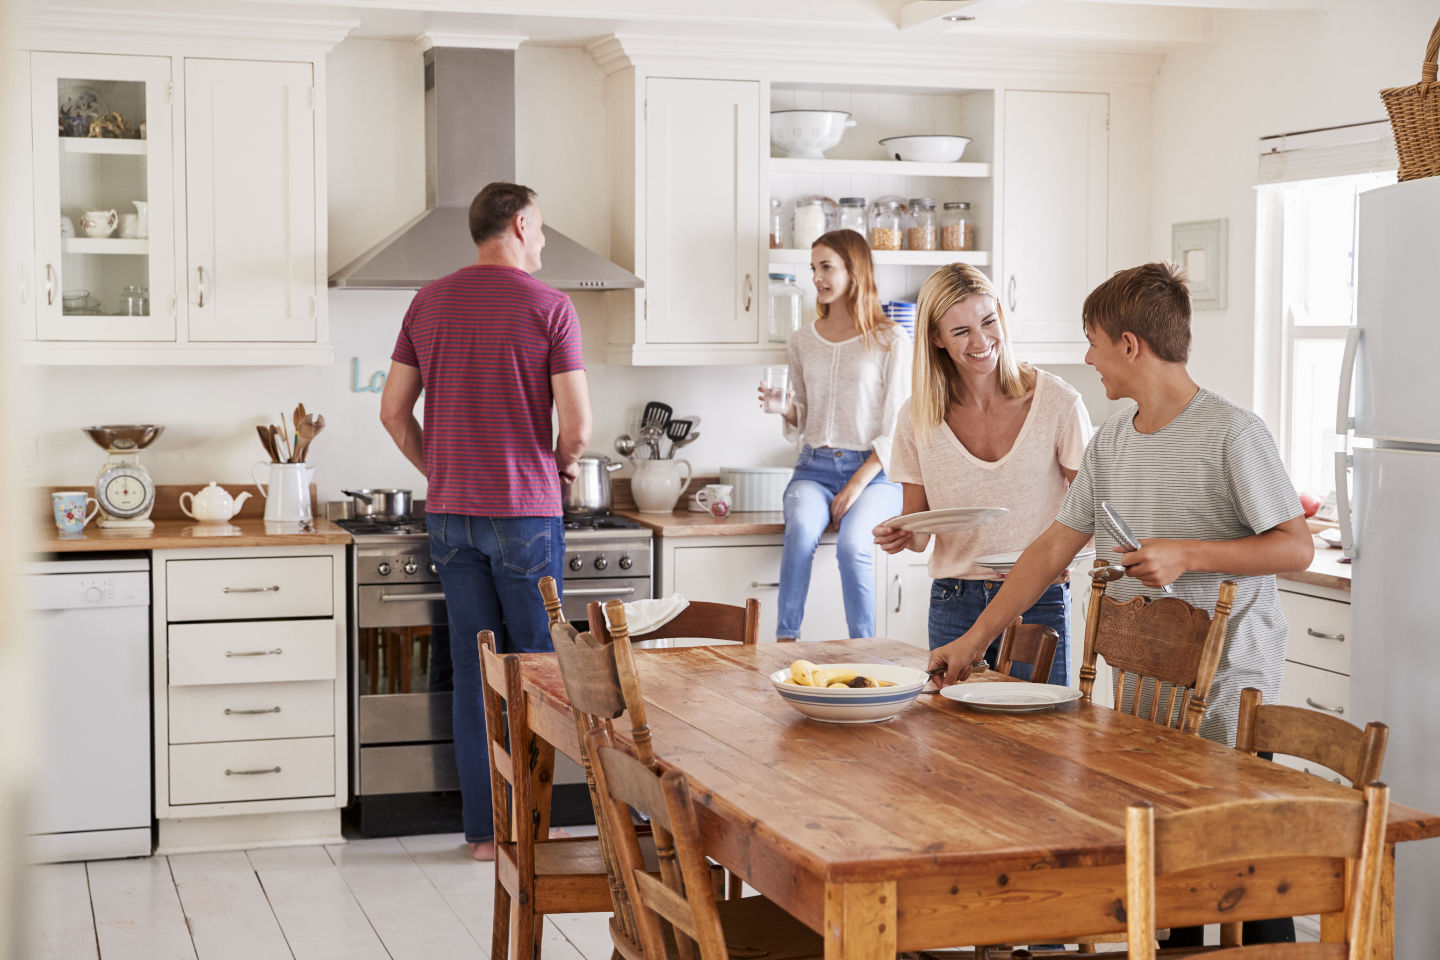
[(848, 692)]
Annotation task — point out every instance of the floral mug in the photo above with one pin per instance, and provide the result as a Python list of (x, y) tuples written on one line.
[(99, 223), (69, 507)]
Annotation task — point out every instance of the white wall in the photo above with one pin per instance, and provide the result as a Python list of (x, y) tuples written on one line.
[(1266, 73)]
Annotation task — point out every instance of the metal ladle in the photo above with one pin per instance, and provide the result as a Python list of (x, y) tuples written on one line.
[(1108, 574), (625, 445)]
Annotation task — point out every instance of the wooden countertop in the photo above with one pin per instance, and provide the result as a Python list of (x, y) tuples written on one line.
[(685, 523), (1325, 570), (187, 534)]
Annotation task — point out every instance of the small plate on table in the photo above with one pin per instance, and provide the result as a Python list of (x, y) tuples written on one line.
[(1000, 696), (1003, 562), (953, 520)]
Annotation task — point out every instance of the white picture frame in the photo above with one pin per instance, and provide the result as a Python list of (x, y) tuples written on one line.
[(1200, 249)]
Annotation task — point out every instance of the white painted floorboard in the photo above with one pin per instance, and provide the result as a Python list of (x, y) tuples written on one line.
[(137, 911), (226, 908), (321, 918), (58, 908)]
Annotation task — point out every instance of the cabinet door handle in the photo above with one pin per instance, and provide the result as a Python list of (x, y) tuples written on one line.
[(1338, 711), (756, 584), (49, 285), (200, 287), (899, 592), (273, 588), (1325, 636), (255, 653), (250, 773), (249, 713), (747, 290), (1010, 294)]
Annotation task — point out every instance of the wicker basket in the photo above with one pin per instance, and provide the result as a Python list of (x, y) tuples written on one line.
[(1415, 118)]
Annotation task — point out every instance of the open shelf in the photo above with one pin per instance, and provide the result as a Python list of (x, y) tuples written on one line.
[(899, 258), (895, 168), (104, 245), (129, 148)]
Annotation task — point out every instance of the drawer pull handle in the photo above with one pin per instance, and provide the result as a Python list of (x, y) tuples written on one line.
[(270, 589), (402, 597), (250, 773), (255, 653), (1338, 711), (756, 584), (249, 713), (1325, 636)]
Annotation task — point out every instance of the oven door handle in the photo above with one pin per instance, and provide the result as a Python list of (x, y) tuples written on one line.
[(402, 597), (598, 591)]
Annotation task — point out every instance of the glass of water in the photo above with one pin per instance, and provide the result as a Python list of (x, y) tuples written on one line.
[(773, 389)]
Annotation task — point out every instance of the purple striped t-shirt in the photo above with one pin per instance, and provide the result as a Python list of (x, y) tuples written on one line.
[(487, 339)]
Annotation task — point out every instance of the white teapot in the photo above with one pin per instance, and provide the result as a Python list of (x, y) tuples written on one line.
[(212, 504)]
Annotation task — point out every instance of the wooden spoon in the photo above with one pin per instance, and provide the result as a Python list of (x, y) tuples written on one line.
[(265, 442)]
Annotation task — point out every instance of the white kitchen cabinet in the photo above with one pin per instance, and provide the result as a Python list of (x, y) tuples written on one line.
[(1317, 656), (1055, 168), (904, 613), (250, 726)]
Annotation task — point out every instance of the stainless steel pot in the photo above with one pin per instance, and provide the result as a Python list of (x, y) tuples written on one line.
[(379, 504), (590, 493)]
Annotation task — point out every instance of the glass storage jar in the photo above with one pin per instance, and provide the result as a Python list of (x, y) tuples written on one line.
[(811, 217), (957, 232), (887, 220), (785, 307), (920, 230), (776, 233), (852, 215), (135, 301)]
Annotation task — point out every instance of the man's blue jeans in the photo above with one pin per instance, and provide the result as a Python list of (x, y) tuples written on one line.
[(489, 568), (955, 605)]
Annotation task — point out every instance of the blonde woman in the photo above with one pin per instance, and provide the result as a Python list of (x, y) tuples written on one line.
[(850, 373), (982, 430)]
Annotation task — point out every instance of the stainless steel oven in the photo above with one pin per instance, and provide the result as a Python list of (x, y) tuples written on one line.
[(403, 777)]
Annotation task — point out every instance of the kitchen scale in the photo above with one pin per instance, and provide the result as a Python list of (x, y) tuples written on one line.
[(124, 488)]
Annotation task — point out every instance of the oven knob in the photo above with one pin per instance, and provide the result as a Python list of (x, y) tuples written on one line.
[(433, 570), (410, 567), (384, 568), (576, 563), (625, 562), (601, 563)]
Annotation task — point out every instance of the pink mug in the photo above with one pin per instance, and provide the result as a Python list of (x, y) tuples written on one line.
[(716, 497)]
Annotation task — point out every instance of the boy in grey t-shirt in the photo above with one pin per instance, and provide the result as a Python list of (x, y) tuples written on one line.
[(1197, 478)]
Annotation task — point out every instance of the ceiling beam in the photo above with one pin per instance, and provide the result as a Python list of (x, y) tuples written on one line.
[(1257, 5), (918, 12)]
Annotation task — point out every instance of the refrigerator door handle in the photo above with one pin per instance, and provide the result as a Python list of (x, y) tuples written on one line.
[(1342, 503), (1343, 421)]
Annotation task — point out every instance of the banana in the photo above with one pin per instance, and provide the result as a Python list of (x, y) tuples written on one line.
[(837, 683), (826, 676), (801, 671)]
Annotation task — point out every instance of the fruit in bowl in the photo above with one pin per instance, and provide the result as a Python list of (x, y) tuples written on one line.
[(930, 148), (848, 692), (807, 133)]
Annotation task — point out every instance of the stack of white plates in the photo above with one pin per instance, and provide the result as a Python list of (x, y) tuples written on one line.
[(1003, 562), (903, 313)]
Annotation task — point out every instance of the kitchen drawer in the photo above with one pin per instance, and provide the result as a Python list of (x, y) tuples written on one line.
[(1320, 632), (252, 711), (251, 652), (1305, 686), (252, 589), (252, 770)]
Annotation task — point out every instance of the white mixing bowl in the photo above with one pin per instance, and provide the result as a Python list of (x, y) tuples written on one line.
[(936, 148), (807, 133)]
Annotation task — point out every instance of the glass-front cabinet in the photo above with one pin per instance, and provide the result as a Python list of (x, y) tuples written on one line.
[(103, 188)]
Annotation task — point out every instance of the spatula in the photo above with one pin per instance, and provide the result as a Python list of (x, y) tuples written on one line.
[(676, 430), (656, 414)]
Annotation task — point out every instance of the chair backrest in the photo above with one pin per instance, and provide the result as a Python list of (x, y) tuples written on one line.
[(1321, 738), (551, 595), (710, 621), (1163, 652), (1029, 643), (1246, 833), (508, 732), (681, 899)]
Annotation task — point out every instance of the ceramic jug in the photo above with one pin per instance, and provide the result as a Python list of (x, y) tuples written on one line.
[(142, 218), (287, 495), (213, 504), (99, 223), (657, 484)]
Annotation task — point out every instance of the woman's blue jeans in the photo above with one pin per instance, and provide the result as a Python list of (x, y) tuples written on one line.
[(955, 605), (489, 569), (820, 472)]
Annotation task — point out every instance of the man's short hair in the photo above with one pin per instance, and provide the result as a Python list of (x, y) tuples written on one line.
[(1150, 301), (495, 206)]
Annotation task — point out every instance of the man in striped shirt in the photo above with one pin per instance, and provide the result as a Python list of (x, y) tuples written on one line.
[(1201, 485), (492, 348)]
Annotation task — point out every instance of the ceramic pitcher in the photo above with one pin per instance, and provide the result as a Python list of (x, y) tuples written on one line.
[(657, 484), (142, 218), (99, 223), (287, 495)]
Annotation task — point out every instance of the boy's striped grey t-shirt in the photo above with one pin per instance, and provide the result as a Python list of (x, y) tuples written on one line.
[(1212, 473)]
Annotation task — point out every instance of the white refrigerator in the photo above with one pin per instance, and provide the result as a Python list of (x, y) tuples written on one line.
[(1390, 519)]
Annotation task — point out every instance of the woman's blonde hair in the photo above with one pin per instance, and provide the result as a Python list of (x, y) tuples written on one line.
[(861, 295), (937, 383)]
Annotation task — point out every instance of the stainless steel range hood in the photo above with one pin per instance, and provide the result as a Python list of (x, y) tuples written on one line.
[(469, 142)]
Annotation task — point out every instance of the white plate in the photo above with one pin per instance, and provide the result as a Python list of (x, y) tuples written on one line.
[(1330, 536), (954, 520), (1002, 562), (1002, 697)]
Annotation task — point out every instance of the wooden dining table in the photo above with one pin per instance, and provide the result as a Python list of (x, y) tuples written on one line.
[(947, 826)]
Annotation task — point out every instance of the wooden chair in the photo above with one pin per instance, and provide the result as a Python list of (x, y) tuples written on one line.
[(710, 621), (1246, 833), (677, 915), (1163, 646), (1027, 643)]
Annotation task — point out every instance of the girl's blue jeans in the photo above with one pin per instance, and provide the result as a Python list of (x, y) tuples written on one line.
[(955, 605), (820, 472)]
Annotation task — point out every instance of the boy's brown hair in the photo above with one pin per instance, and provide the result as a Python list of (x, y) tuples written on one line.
[(1150, 301)]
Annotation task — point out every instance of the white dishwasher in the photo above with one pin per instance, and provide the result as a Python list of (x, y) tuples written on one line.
[(90, 633)]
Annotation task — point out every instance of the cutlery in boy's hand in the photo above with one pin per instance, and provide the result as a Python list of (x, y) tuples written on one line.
[(1120, 532)]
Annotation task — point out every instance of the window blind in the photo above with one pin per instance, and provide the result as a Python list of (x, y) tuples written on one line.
[(1332, 152)]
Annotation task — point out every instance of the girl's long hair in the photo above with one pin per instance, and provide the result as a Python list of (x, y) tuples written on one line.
[(937, 383), (861, 295)]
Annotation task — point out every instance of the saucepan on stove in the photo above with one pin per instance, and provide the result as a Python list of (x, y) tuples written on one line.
[(387, 504), (590, 493)]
